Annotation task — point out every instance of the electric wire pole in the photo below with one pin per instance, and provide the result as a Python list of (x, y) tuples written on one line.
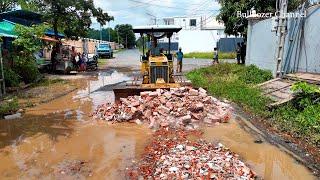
[(282, 30), (126, 41), (100, 32), (2, 81), (109, 31)]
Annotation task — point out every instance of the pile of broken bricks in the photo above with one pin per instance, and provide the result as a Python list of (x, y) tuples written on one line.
[(170, 155), (183, 107)]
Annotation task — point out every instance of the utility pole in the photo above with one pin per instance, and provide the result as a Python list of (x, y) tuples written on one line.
[(100, 32), (127, 41), (109, 31), (282, 30), (2, 82), (118, 37)]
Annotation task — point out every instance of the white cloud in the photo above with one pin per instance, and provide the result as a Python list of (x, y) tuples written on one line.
[(135, 13)]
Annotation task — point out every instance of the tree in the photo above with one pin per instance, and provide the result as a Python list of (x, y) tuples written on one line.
[(7, 5), (73, 17), (95, 34), (128, 39), (238, 25), (27, 43), (29, 39)]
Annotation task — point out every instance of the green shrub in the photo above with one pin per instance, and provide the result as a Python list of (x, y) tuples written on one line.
[(253, 75), (27, 69), (12, 79), (9, 106), (305, 95), (301, 116)]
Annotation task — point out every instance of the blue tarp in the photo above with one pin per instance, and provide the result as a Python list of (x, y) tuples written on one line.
[(50, 32), (26, 18)]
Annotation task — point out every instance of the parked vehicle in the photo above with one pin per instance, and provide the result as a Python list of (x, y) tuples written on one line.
[(91, 62), (64, 61), (104, 50)]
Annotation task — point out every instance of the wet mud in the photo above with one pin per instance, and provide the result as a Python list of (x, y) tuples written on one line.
[(59, 140)]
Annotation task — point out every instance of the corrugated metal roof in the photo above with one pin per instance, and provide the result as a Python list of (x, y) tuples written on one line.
[(7, 29)]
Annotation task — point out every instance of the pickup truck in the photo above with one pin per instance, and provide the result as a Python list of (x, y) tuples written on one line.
[(104, 50)]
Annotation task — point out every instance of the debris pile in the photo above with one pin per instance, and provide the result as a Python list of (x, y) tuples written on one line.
[(183, 107), (172, 156)]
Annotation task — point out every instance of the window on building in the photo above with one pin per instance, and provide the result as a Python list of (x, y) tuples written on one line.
[(193, 22), (169, 21)]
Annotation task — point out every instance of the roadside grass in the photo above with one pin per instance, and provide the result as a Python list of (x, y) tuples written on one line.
[(8, 105), (102, 62), (209, 55), (299, 118), (23, 99), (47, 82), (235, 83)]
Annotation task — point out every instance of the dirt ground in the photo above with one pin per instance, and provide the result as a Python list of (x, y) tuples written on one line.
[(58, 139)]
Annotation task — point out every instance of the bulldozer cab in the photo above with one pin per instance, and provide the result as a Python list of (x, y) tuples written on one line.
[(157, 62)]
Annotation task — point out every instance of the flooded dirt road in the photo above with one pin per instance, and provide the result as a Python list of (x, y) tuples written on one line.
[(59, 139)]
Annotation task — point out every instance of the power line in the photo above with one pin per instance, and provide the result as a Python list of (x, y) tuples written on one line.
[(135, 6), (163, 6), (200, 6)]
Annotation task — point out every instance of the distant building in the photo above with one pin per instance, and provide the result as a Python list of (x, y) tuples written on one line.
[(198, 34)]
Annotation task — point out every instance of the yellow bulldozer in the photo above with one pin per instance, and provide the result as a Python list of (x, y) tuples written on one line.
[(157, 71)]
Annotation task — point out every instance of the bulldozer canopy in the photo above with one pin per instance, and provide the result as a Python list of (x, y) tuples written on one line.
[(157, 28)]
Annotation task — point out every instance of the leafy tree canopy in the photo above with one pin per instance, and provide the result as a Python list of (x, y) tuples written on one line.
[(29, 38), (7, 5), (237, 25), (73, 17), (128, 39), (95, 34)]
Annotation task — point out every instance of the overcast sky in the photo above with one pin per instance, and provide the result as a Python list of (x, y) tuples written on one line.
[(140, 12)]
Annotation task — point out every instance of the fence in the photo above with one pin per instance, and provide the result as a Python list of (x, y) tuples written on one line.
[(301, 49), (228, 44)]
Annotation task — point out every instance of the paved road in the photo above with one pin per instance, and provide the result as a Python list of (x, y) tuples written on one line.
[(129, 60)]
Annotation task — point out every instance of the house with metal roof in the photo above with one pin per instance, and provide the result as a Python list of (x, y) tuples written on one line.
[(23, 17)]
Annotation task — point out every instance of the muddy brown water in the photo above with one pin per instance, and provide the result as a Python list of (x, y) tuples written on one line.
[(35, 146)]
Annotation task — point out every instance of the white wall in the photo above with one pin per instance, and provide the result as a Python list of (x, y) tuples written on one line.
[(304, 47), (197, 40), (262, 45), (310, 55)]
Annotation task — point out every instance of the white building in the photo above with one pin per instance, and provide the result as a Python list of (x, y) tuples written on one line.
[(198, 34)]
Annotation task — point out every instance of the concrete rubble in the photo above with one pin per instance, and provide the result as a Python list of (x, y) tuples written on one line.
[(183, 107), (176, 115), (171, 155)]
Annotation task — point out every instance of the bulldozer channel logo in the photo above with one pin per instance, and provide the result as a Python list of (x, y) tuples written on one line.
[(278, 14)]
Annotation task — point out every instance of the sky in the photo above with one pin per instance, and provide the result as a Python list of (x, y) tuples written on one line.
[(140, 12)]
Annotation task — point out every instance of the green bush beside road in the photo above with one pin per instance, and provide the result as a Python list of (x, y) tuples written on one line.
[(8, 106), (300, 117), (209, 55)]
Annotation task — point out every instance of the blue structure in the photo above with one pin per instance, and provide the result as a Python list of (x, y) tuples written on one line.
[(228, 44), (26, 18)]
